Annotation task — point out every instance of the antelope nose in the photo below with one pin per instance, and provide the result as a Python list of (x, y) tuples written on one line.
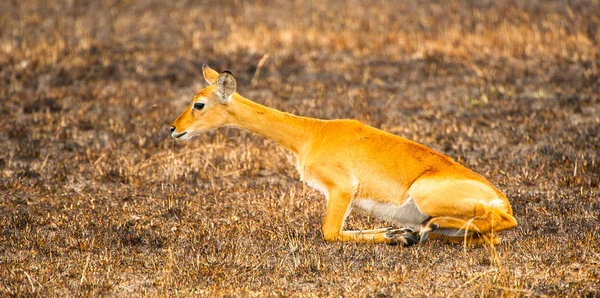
[(172, 129)]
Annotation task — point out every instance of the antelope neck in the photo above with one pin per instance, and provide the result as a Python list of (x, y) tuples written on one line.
[(292, 132)]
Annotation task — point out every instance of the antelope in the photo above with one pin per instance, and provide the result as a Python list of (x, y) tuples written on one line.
[(356, 166)]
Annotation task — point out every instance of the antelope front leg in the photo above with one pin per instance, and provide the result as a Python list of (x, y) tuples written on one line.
[(338, 207), (391, 236)]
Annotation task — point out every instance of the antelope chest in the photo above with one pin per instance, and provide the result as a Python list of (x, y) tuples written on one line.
[(311, 180), (316, 184)]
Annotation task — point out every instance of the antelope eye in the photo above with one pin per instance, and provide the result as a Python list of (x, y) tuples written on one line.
[(198, 105)]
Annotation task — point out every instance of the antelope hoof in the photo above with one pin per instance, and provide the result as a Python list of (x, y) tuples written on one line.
[(406, 237), (400, 231), (424, 234)]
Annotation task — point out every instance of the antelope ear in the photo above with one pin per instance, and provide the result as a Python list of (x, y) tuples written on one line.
[(210, 75), (226, 86)]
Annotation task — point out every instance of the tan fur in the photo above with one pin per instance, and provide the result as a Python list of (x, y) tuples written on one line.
[(357, 165)]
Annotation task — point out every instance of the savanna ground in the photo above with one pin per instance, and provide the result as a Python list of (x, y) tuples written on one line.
[(97, 199)]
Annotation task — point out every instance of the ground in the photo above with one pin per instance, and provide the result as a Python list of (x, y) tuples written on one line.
[(97, 200)]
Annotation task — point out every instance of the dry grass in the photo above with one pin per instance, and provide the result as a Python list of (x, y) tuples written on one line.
[(96, 199)]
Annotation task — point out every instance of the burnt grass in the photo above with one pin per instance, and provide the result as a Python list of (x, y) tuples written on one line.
[(97, 200)]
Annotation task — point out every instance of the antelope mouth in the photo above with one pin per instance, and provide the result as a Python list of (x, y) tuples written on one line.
[(178, 135)]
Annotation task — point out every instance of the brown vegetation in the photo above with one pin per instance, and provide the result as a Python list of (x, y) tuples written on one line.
[(96, 199)]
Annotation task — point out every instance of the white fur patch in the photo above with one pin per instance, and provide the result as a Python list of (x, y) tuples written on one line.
[(450, 232), (318, 185), (354, 184), (497, 203), (405, 214)]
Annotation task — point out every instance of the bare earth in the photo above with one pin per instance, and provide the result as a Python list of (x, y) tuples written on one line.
[(97, 200)]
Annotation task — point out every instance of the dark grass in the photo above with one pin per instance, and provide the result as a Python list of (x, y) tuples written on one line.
[(96, 199)]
